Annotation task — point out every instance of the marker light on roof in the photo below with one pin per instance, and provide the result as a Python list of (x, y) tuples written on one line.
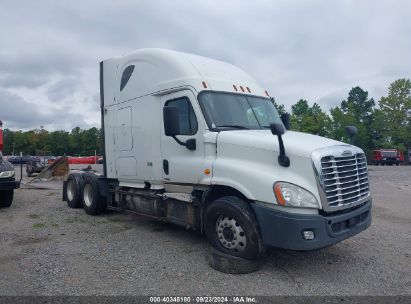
[(266, 93), (248, 89), (242, 89), (204, 85), (235, 88)]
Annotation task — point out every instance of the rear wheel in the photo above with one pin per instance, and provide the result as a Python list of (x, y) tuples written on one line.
[(73, 190), (6, 198), (93, 202), (231, 227)]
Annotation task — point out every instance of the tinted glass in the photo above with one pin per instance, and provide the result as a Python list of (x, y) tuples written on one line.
[(126, 76), (224, 110), (188, 120)]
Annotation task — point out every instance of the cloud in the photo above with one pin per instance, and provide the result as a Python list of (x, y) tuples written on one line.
[(18, 113), (63, 89), (317, 50)]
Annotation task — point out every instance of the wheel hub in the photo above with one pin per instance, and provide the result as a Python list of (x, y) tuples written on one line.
[(71, 189), (88, 195), (230, 234)]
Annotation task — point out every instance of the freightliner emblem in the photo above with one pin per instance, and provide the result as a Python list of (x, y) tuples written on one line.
[(347, 153)]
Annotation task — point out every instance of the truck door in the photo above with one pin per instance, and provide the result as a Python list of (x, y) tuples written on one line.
[(181, 165), (126, 164)]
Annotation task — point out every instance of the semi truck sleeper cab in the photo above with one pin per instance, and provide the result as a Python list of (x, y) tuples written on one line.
[(197, 142)]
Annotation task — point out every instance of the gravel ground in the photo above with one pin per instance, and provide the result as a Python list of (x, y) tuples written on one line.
[(48, 249)]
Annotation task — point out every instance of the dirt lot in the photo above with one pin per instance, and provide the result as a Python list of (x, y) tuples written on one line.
[(48, 249)]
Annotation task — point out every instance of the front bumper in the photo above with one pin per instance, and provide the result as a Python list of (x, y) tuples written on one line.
[(9, 184), (285, 230)]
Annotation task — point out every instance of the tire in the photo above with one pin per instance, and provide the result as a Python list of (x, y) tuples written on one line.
[(6, 198), (93, 202), (73, 190), (232, 264), (230, 219)]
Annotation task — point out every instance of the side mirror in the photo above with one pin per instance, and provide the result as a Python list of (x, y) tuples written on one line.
[(171, 121), (351, 131), (285, 118), (172, 127), (277, 129), (191, 144)]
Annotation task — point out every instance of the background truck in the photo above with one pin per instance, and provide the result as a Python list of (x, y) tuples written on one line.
[(388, 157), (197, 142), (7, 180)]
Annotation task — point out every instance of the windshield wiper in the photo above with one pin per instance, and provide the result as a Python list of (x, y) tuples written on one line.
[(233, 126)]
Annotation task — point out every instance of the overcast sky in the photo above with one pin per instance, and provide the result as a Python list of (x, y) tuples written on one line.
[(317, 50)]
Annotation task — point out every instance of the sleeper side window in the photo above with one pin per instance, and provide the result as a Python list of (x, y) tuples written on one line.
[(187, 117), (128, 71)]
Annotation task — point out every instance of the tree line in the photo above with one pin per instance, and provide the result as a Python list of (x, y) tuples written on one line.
[(78, 142), (385, 124)]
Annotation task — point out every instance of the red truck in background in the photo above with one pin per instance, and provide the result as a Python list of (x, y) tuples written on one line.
[(388, 157)]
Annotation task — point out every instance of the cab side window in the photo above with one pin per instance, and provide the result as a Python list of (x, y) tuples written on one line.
[(125, 77), (187, 117)]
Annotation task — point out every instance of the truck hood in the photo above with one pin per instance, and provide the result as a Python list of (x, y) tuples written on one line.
[(295, 143)]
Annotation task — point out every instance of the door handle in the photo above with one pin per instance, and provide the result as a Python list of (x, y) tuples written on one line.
[(165, 166)]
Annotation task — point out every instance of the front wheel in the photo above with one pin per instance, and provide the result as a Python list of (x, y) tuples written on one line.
[(6, 198), (231, 227)]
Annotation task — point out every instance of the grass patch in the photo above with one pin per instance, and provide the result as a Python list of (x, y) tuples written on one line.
[(74, 220), (54, 225), (34, 216), (39, 225), (116, 220)]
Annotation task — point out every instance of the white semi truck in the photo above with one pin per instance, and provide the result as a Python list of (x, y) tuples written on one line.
[(196, 142)]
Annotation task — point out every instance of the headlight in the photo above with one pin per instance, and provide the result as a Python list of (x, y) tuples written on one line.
[(6, 174), (294, 196)]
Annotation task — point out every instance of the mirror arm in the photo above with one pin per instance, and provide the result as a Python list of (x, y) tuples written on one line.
[(179, 141), (283, 159), (190, 144)]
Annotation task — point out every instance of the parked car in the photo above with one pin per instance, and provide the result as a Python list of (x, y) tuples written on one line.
[(7, 179), (34, 165), (24, 159)]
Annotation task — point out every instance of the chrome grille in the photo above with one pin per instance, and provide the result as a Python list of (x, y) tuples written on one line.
[(344, 179)]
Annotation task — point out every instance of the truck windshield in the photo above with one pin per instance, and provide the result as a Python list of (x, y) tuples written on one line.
[(389, 153), (234, 111)]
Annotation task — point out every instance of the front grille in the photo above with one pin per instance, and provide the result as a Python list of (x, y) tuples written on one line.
[(344, 179)]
